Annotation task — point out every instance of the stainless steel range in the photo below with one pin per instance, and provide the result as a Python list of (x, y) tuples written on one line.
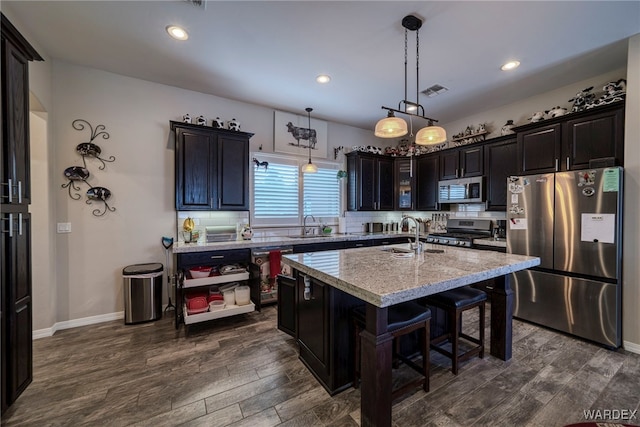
[(461, 232)]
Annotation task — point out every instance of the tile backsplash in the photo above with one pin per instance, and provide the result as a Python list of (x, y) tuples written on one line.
[(354, 222)]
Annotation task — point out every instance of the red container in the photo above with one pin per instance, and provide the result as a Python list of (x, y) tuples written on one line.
[(215, 297)]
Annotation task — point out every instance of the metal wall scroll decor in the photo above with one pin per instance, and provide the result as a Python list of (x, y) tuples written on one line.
[(77, 174)]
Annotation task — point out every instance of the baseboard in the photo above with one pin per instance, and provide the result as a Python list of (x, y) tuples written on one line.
[(632, 347), (68, 324)]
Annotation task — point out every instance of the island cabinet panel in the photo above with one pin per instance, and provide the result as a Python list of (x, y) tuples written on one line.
[(287, 318), (500, 162), (212, 168), (325, 332), (428, 173), (370, 182)]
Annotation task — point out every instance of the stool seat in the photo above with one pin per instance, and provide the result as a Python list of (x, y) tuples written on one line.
[(460, 297), (399, 316), (454, 302), (402, 319)]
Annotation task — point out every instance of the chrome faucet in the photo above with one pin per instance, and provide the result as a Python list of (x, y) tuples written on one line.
[(417, 248), (304, 223)]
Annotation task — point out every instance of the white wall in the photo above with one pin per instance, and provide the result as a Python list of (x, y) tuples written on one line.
[(136, 114), (631, 267)]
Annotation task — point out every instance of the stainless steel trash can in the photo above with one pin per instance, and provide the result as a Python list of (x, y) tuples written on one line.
[(142, 284)]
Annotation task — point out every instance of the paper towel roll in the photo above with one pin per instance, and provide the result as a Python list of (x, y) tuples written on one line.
[(342, 225)]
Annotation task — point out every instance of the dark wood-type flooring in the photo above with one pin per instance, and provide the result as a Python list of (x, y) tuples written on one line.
[(242, 371)]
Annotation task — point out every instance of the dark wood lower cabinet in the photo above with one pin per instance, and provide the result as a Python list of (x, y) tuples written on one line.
[(17, 344), (325, 332), (287, 305)]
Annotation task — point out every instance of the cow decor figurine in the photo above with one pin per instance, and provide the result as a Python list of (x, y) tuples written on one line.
[(201, 121), (217, 123), (186, 118), (581, 100), (234, 125)]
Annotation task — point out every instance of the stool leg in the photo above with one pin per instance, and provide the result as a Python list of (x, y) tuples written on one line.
[(426, 357), (456, 322), (356, 367), (481, 330)]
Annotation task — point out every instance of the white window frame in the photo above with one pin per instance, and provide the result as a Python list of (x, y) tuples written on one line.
[(298, 162)]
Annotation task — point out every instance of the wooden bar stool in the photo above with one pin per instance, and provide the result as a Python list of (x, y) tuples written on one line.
[(403, 319), (454, 302)]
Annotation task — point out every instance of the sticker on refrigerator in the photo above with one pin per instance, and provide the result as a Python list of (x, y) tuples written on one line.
[(514, 199), (515, 188), (586, 177), (610, 180), (518, 223), (598, 228)]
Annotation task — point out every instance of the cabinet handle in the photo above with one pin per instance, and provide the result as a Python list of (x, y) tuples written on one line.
[(456, 172), (10, 190), (20, 192), (307, 288), (358, 245), (556, 165), (219, 202), (217, 256), (567, 162), (410, 168), (462, 172), (19, 223), (10, 230)]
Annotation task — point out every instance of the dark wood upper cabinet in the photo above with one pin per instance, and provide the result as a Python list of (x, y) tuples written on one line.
[(370, 182), (427, 182), (405, 183), (499, 163), (212, 168), (593, 137), (569, 142), (461, 162)]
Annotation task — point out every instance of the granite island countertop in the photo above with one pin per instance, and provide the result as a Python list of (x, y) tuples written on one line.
[(382, 278)]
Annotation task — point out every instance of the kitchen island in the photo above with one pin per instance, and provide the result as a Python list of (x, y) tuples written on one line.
[(381, 278)]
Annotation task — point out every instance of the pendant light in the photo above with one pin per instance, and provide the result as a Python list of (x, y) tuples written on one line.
[(394, 127), (309, 167)]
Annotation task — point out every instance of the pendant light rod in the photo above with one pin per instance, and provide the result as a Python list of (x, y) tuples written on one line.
[(418, 106)]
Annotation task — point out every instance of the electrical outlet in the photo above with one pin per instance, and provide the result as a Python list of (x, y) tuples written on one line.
[(64, 227)]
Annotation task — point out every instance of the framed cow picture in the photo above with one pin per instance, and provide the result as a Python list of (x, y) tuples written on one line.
[(292, 135)]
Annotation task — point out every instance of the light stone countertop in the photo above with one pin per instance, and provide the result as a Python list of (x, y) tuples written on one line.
[(382, 279), (258, 242)]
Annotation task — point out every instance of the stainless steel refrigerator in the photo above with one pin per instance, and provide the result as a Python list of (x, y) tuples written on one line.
[(573, 222)]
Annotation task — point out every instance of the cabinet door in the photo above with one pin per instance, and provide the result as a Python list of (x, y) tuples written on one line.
[(471, 161), (500, 162), (404, 183), (287, 305), (233, 172), (539, 149), (313, 325), (593, 137), (449, 165), (385, 184), (196, 177), (14, 167), (17, 305), (366, 182), (427, 185)]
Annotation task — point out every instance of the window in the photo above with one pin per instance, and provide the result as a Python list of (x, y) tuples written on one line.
[(282, 195)]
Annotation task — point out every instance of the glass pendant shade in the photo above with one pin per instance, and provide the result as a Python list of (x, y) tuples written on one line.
[(431, 135), (391, 127), (309, 168)]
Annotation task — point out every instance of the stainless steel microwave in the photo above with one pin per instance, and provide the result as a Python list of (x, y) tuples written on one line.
[(463, 190)]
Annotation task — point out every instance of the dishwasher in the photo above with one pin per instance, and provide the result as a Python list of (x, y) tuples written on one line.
[(269, 259)]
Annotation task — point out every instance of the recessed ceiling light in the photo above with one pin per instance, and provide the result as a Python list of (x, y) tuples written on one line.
[(323, 78), (510, 65), (177, 32)]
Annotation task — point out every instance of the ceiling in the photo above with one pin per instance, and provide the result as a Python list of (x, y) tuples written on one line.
[(269, 53)]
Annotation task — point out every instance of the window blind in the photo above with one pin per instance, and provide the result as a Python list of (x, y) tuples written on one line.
[(275, 193), (321, 193)]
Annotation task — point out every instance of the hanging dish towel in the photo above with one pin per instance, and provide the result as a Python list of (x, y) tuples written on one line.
[(274, 263)]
